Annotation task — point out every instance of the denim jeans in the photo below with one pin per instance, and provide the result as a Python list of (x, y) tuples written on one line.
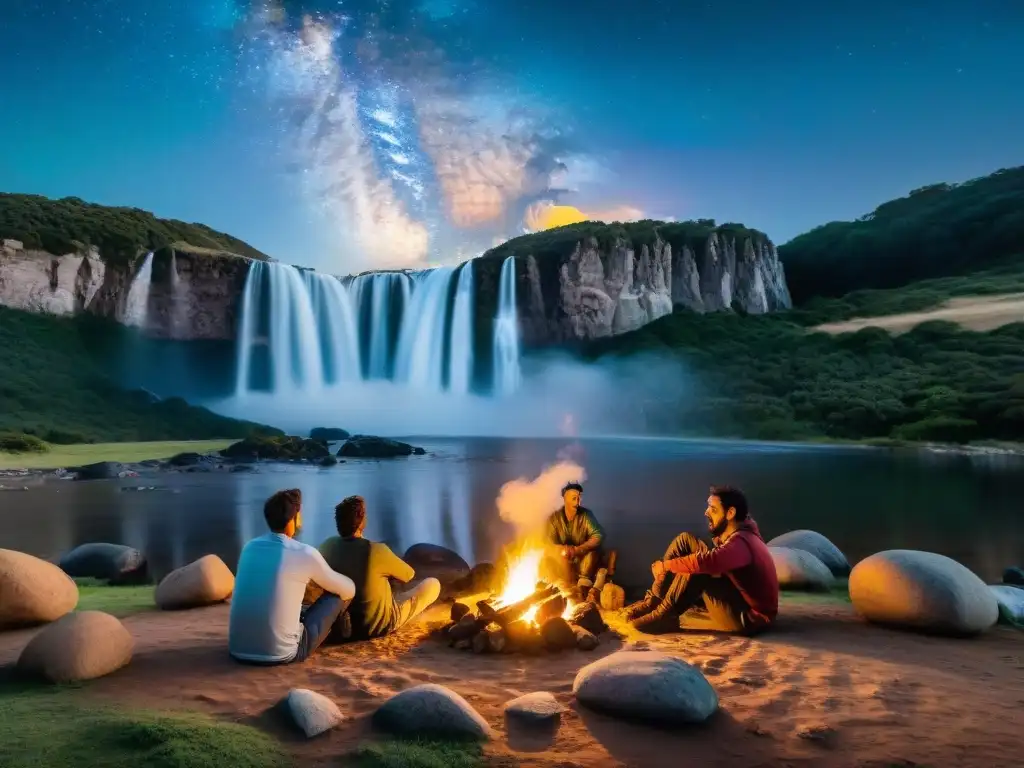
[(317, 622)]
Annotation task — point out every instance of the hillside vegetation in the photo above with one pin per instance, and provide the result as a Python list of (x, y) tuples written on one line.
[(53, 388), (772, 377), (65, 225), (941, 230)]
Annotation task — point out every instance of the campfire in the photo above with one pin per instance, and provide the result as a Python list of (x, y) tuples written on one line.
[(528, 614)]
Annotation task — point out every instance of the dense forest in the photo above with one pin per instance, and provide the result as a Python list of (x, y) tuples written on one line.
[(941, 230), (65, 225)]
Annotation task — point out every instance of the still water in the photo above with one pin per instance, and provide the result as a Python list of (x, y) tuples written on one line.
[(643, 491)]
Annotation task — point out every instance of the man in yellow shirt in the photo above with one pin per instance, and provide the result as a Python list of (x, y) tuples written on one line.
[(375, 611)]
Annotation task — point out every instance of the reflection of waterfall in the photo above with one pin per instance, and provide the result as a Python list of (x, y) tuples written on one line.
[(415, 329), (506, 332), (136, 305), (458, 517)]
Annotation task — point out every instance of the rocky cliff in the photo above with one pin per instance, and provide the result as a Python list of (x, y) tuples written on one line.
[(194, 293), (590, 283)]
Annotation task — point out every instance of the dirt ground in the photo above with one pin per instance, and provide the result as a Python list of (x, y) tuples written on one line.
[(975, 313), (823, 689)]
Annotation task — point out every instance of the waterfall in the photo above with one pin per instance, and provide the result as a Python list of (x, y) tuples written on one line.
[(461, 355), (136, 305), (414, 329), (421, 340), (507, 375)]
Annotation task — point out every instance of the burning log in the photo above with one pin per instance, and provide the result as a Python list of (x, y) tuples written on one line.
[(524, 637), (489, 640), (553, 607), (510, 613), (588, 616)]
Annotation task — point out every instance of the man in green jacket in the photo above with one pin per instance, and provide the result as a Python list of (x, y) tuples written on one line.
[(577, 539), (375, 611)]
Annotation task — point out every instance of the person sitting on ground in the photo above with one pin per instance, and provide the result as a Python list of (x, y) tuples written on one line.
[(375, 611), (267, 625), (578, 540), (734, 582)]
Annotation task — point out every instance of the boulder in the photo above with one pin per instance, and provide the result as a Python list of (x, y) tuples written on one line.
[(539, 707), (283, 448), (431, 710), (205, 582), (80, 646), (33, 591), (101, 470), (798, 569), (817, 545), (585, 641), (1011, 603), (328, 434), (437, 561), (1014, 576), (115, 563), (370, 447), (187, 459), (613, 597), (479, 579), (922, 591), (312, 712), (588, 616), (647, 686)]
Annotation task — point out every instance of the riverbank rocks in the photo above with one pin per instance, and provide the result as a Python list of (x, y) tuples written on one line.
[(922, 591), (800, 570), (1014, 576), (817, 545), (80, 646), (647, 686), (370, 447), (329, 434), (285, 448), (539, 707), (33, 591), (114, 563), (101, 470), (205, 582), (312, 712), (431, 710), (1011, 603)]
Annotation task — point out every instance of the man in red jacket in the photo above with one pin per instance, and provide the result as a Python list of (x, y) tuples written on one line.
[(730, 587)]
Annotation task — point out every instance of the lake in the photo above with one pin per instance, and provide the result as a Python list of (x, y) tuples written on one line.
[(644, 491)]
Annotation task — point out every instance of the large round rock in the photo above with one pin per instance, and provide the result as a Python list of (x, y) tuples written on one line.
[(800, 570), (433, 560), (80, 646), (33, 591), (922, 591), (647, 686), (115, 563), (431, 710), (817, 545), (205, 582)]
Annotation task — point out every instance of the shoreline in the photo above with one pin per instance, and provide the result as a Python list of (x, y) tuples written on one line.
[(148, 454)]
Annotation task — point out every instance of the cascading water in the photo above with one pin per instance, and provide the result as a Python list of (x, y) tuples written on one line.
[(136, 305), (414, 330), (507, 375)]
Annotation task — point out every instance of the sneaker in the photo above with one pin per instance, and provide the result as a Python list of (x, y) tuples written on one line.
[(635, 610)]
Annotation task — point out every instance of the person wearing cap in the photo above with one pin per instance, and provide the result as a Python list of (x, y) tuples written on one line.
[(577, 539)]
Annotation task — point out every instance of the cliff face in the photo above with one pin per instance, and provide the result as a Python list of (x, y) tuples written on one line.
[(194, 293), (604, 291)]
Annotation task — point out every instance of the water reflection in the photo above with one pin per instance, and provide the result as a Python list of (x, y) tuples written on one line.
[(643, 491)]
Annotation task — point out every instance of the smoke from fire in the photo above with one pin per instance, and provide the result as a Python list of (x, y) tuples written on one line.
[(526, 504)]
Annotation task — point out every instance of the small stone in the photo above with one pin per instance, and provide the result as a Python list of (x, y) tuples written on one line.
[(459, 610), (463, 645), (312, 712), (539, 707), (585, 641), (557, 634), (588, 616)]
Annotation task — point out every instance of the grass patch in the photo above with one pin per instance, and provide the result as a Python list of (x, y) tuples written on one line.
[(838, 594), (120, 601), (402, 753), (58, 727), (89, 453)]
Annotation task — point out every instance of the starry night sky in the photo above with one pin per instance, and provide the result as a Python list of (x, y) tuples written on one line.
[(404, 132)]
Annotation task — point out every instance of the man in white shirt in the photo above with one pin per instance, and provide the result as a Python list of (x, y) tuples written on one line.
[(267, 625)]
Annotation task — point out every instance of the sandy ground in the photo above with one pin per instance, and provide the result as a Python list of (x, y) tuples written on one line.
[(975, 313), (824, 689)]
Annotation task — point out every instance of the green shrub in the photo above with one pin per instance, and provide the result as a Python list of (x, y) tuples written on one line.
[(19, 442)]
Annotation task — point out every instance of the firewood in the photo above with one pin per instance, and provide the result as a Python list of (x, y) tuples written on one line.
[(523, 637), (514, 612), (480, 642), (555, 606), (468, 626), (496, 639)]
